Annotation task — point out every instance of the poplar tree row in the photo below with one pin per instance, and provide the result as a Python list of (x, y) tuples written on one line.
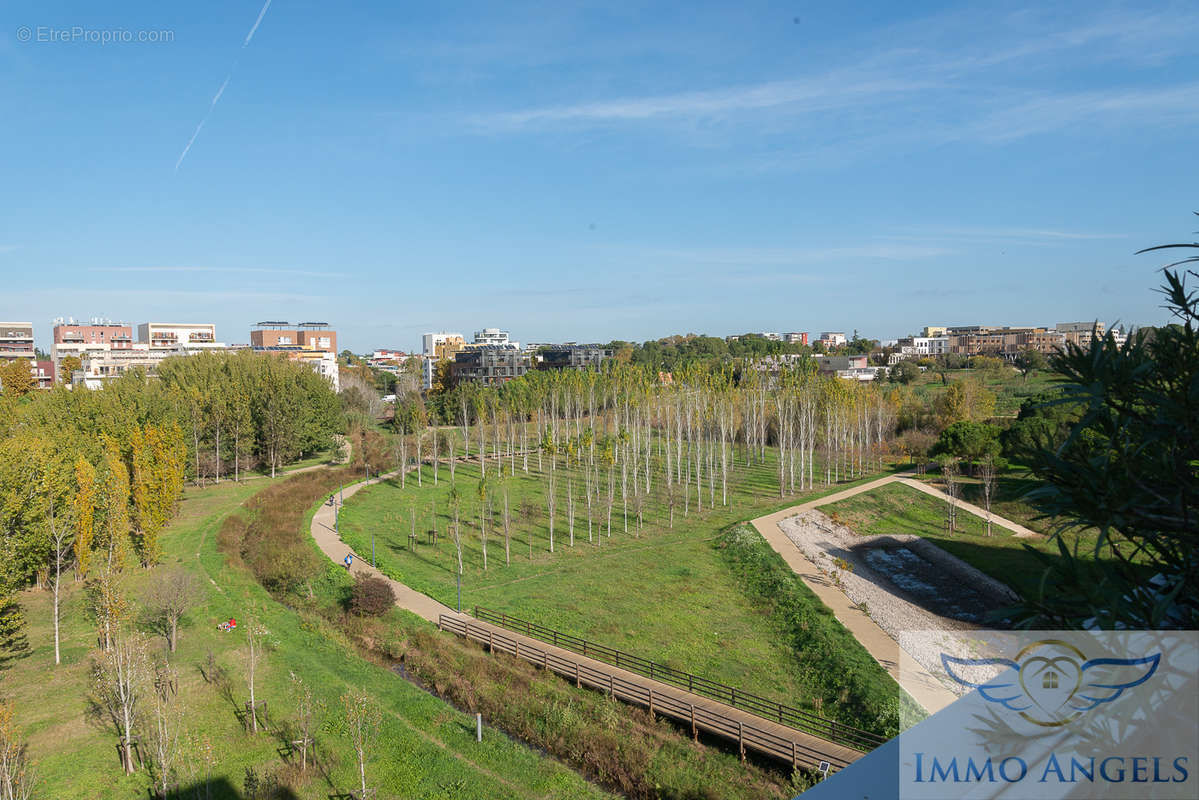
[(623, 440)]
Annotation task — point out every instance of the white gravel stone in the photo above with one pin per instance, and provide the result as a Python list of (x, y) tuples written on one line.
[(898, 578)]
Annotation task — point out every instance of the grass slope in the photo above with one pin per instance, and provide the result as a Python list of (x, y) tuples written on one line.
[(426, 749), (660, 593)]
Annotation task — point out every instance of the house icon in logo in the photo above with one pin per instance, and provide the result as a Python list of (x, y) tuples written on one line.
[(1053, 682)]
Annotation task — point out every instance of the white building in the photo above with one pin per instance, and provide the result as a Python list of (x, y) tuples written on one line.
[(170, 335), (101, 366), (833, 338), (494, 337), (431, 341), (914, 347)]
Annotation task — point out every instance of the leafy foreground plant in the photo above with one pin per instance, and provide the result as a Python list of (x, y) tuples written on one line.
[(1130, 468)]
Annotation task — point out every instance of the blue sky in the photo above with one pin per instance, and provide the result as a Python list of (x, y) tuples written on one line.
[(589, 172)]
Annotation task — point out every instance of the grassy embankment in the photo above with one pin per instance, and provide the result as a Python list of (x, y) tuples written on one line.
[(661, 593), (619, 746), (425, 750)]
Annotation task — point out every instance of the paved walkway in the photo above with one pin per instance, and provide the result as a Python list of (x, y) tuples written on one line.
[(759, 733), (922, 685), (327, 540)]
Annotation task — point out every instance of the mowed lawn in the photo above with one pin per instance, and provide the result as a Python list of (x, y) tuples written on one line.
[(426, 749), (899, 509), (657, 592)]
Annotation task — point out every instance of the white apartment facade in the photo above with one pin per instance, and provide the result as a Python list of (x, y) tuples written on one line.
[(494, 337), (833, 338), (171, 335)]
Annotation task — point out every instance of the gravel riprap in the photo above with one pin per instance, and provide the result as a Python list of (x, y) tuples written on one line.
[(926, 599)]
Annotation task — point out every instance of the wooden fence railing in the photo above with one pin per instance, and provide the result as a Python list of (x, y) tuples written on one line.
[(799, 719), (746, 734)]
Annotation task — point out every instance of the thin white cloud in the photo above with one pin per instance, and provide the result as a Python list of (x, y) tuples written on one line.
[(1001, 234), (935, 89), (792, 256), (832, 91), (212, 105), (253, 270)]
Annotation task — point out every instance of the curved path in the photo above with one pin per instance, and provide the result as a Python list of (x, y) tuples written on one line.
[(752, 731), (922, 685)]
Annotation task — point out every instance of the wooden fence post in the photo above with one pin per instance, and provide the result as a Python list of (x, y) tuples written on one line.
[(694, 732), (741, 739), (611, 689), (794, 755), (651, 704)]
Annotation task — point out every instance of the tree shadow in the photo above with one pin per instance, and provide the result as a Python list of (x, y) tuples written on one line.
[(221, 789)]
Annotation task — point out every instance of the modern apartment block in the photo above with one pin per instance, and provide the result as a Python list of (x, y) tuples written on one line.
[(16, 341), (570, 356), (172, 335), (833, 339), (80, 340), (489, 364), (796, 338), (494, 337), (441, 345), (1079, 333), (311, 343), (100, 366), (305, 335), (43, 373)]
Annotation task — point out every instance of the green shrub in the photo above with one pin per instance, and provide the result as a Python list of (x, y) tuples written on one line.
[(372, 596)]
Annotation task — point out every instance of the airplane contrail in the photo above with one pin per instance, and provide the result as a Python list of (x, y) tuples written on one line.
[(257, 22), (221, 91)]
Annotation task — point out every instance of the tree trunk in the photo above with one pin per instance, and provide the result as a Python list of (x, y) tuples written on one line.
[(57, 585)]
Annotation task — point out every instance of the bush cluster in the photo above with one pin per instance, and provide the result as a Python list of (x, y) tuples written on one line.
[(371, 597)]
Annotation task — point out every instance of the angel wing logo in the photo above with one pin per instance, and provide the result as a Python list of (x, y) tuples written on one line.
[(1054, 683)]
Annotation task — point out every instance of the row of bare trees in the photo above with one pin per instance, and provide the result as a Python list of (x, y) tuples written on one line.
[(610, 445)]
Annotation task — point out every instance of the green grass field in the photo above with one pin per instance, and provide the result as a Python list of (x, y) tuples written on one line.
[(426, 749), (657, 592), (1010, 387)]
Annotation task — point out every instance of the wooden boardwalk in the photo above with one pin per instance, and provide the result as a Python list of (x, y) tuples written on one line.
[(748, 731)]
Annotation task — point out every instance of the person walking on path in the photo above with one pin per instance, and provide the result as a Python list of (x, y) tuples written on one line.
[(349, 560)]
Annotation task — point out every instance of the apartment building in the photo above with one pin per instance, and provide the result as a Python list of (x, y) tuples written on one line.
[(490, 364), (16, 341), (43, 373), (833, 339), (99, 366), (173, 335), (80, 340), (570, 356), (1079, 333), (305, 335), (494, 337), (310, 343), (796, 338)]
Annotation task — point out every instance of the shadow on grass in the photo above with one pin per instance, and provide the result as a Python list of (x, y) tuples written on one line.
[(222, 789)]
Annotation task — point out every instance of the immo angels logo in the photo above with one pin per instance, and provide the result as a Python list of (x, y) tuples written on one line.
[(1054, 683)]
